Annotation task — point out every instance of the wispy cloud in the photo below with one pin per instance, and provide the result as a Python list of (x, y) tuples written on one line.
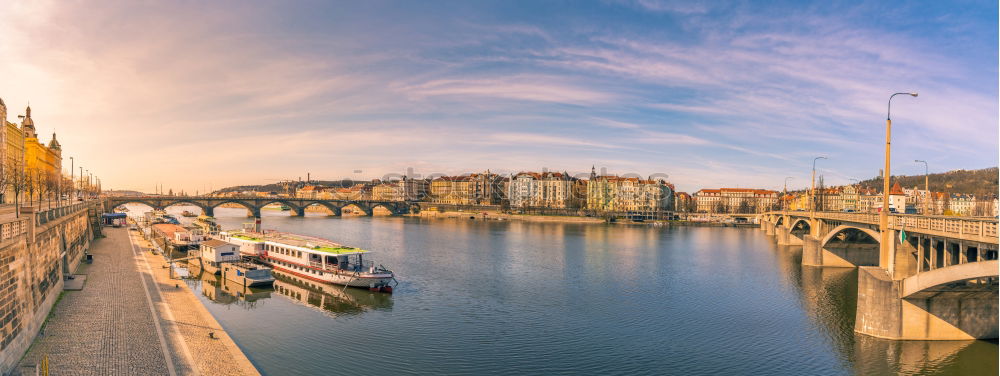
[(707, 94)]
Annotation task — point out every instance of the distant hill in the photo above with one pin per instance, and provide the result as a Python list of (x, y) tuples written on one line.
[(982, 182), (122, 192), (287, 187)]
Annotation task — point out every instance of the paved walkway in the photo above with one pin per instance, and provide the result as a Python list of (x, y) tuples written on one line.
[(110, 327), (107, 328), (191, 323)]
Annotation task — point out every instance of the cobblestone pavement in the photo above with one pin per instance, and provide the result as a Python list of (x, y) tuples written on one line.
[(108, 327), (188, 319)]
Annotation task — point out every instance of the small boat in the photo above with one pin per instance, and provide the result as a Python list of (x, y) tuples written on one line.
[(313, 258), (285, 207), (247, 274), (207, 224), (188, 214)]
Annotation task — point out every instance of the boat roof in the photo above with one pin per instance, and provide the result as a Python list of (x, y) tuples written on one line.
[(298, 242)]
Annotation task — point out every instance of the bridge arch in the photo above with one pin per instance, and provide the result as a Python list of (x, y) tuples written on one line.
[(250, 207), (940, 279), (391, 207), (204, 208), (799, 225), (287, 203), (334, 209), (361, 206), (846, 228), (155, 206)]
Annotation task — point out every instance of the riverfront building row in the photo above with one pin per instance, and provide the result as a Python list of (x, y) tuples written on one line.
[(32, 167)]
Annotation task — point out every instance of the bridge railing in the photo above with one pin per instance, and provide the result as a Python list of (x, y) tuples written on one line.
[(968, 226)]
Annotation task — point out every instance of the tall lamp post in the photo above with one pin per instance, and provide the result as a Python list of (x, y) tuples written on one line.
[(857, 193), (927, 184), (812, 191), (72, 184), (784, 201), (885, 258)]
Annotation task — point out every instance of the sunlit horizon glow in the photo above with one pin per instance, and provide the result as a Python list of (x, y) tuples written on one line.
[(201, 96)]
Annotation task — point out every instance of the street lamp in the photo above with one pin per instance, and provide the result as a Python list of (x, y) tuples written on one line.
[(927, 184), (812, 194), (885, 259), (784, 204), (72, 169)]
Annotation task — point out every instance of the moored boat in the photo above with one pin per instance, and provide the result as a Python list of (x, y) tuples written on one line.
[(247, 274), (188, 214), (313, 258), (207, 224)]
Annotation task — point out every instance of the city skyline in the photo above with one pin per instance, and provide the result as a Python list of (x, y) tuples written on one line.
[(710, 96)]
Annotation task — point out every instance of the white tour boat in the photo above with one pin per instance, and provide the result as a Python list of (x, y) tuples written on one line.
[(312, 258)]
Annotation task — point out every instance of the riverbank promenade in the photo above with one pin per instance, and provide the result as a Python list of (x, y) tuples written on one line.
[(130, 318)]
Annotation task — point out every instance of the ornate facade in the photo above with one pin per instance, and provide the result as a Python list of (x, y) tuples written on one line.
[(21, 150)]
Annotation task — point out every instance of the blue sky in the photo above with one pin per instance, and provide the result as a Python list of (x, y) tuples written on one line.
[(200, 96)]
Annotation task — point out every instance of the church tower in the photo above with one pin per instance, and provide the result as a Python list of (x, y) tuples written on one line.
[(28, 125)]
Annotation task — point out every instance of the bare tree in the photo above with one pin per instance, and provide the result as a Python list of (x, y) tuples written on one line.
[(4, 182), (18, 181)]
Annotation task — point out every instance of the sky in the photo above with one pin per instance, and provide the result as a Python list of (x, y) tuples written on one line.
[(202, 95)]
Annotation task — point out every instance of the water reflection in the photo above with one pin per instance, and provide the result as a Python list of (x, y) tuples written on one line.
[(330, 298), (829, 298), (225, 292), (495, 297)]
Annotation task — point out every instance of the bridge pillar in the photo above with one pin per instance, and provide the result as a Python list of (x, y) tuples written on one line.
[(812, 252), (949, 316), (209, 211), (254, 213), (298, 212), (769, 229)]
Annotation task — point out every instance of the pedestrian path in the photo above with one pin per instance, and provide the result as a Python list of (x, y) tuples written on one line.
[(108, 328)]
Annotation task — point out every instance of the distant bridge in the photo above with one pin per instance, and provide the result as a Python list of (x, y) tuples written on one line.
[(254, 204), (939, 281)]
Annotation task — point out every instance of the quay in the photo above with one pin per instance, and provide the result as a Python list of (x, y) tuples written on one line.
[(131, 318)]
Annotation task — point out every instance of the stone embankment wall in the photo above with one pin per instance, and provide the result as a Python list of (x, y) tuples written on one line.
[(35, 252)]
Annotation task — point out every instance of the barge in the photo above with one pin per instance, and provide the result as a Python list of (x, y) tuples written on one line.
[(312, 258)]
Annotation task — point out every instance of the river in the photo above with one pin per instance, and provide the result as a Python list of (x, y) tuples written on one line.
[(491, 297)]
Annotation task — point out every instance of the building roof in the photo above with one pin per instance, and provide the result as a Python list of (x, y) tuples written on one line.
[(216, 243), (896, 189), (168, 229)]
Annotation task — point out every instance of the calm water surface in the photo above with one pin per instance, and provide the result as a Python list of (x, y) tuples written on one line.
[(485, 297)]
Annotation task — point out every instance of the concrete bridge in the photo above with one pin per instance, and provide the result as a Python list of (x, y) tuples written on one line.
[(254, 204), (938, 282)]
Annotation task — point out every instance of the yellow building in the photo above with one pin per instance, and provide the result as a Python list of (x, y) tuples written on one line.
[(455, 190), (43, 164), (12, 150), (21, 151)]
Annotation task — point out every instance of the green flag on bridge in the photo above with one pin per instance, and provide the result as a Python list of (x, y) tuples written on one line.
[(902, 236)]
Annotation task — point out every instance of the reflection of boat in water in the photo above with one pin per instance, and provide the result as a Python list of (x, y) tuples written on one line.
[(188, 214), (227, 292), (330, 298), (247, 274), (312, 258)]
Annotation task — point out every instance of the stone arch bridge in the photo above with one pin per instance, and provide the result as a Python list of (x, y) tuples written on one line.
[(255, 204), (937, 282)]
